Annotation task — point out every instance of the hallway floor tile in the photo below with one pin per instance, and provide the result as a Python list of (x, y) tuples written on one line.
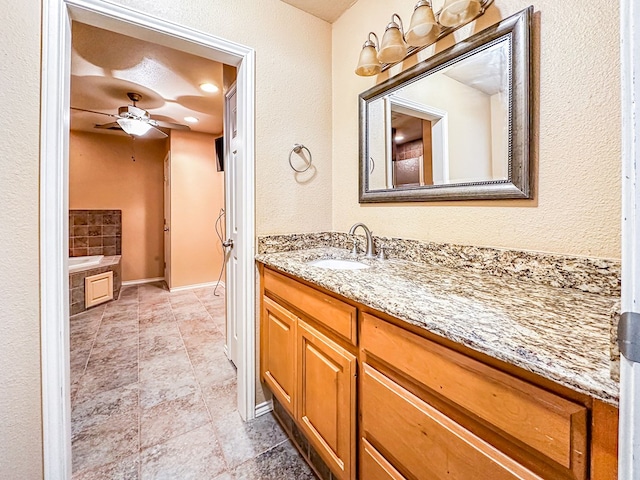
[(154, 396)]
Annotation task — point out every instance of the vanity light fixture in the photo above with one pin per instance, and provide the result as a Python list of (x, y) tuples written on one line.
[(458, 12), (209, 87), (133, 126), (393, 47), (368, 64), (191, 119), (423, 29), (426, 28)]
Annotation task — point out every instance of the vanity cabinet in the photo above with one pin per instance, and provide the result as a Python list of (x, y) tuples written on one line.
[(379, 399)]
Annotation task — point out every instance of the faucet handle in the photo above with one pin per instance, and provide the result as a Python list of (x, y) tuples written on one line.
[(354, 250), (381, 252)]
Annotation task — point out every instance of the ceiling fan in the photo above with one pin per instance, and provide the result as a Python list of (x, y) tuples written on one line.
[(135, 121)]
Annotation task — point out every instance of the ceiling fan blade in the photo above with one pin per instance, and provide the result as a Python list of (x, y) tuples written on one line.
[(93, 111), (155, 133), (174, 126), (109, 126)]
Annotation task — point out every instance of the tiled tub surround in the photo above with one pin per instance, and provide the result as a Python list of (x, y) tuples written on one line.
[(559, 333), (76, 282), (95, 232)]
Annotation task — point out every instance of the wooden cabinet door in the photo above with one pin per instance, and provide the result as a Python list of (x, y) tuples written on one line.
[(327, 399), (278, 350)]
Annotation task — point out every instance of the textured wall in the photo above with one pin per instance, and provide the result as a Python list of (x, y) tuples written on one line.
[(103, 176), (576, 208), (20, 405), (293, 88)]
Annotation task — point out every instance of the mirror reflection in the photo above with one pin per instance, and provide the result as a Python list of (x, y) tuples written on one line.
[(449, 127)]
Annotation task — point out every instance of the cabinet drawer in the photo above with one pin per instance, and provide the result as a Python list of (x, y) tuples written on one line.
[(553, 426), (423, 442), (330, 312), (373, 466)]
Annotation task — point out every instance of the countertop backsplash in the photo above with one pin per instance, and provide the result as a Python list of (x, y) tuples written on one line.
[(593, 275)]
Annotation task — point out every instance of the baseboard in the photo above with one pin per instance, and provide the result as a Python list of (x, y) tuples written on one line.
[(198, 285), (263, 408), (142, 281)]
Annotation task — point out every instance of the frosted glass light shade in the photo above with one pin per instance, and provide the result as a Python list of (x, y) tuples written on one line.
[(423, 29), (368, 64), (133, 126), (393, 47), (457, 12)]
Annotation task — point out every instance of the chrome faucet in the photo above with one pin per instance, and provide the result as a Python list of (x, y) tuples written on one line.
[(370, 253)]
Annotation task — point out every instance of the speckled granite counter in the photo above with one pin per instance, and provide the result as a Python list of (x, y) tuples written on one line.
[(559, 333)]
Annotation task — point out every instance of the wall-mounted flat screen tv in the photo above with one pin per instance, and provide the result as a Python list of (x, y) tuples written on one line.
[(220, 154)]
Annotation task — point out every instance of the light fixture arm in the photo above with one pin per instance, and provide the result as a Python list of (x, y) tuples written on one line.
[(371, 43), (394, 24)]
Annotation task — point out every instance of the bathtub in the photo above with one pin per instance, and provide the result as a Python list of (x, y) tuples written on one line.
[(80, 263)]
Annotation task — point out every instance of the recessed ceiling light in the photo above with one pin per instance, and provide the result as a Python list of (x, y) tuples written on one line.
[(208, 87), (191, 119)]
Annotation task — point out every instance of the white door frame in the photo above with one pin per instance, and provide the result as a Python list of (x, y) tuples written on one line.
[(629, 435), (54, 162)]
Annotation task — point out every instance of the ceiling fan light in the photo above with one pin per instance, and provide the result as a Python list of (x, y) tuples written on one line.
[(133, 126), (191, 119)]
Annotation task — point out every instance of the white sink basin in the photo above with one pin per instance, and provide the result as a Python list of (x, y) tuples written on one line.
[(338, 264)]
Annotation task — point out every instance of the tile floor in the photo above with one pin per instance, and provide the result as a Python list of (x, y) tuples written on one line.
[(154, 396)]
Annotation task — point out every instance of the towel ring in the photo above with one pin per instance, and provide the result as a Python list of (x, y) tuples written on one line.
[(297, 148)]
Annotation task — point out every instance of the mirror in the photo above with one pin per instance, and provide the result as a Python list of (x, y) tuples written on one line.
[(454, 127)]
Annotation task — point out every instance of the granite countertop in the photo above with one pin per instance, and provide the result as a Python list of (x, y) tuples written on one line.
[(561, 334)]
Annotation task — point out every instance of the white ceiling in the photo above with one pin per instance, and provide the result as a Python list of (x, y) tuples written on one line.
[(106, 65), (328, 10), (486, 71)]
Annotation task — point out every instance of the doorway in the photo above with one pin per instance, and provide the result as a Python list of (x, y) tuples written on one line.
[(57, 18)]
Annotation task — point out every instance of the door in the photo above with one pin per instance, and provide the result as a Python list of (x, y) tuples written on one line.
[(233, 248), (629, 440), (327, 399), (167, 219)]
